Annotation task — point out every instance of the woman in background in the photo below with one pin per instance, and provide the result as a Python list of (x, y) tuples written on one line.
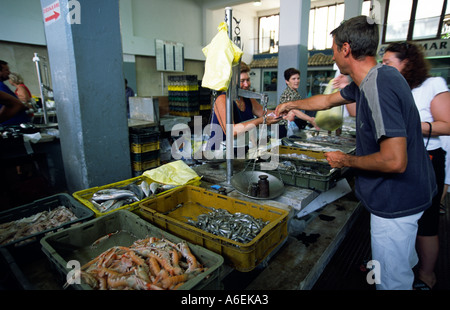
[(292, 78), (22, 92), (432, 99)]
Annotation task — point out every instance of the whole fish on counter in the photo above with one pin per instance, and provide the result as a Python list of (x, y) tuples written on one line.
[(109, 199)]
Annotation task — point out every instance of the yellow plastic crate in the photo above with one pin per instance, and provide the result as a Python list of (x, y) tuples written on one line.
[(144, 147), (185, 113), (284, 152), (139, 166), (182, 87), (84, 196), (164, 212)]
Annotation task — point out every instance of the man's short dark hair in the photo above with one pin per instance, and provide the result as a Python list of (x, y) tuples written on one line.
[(361, 33)]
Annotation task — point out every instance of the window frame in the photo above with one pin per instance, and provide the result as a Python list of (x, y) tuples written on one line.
[(259, 30), (412, 20)]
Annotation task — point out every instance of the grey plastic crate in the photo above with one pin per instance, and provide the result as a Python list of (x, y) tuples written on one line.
[(310, 180), (82, 213), (316, 176), (75, 244)]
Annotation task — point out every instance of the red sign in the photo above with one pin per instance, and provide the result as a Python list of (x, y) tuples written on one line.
[(51, 13)]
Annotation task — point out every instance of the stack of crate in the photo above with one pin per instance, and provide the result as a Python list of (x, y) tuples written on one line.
[(204, 99), (183, 95), (144, 145)]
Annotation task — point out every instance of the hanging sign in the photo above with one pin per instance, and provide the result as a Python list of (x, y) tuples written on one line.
[(169, 56), (51, 13), (432, 48)]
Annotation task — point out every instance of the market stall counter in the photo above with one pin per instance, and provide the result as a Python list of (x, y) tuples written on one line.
[(311, 242)]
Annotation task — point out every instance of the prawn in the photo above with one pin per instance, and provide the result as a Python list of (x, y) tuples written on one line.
[(172, 281), (187, 254), (101, 239), (154, 266), (164, 260)]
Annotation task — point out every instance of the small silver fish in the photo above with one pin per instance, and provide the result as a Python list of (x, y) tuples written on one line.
[(239, 226)]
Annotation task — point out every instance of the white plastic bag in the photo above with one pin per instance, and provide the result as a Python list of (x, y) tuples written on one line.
[(221, 55), (333, 118)]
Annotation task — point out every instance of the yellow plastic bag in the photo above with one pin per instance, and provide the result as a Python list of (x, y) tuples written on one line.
[(174, 173), (333, 118), (221, 55)]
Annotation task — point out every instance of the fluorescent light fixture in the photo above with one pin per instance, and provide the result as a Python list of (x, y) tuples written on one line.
[(257, 3)]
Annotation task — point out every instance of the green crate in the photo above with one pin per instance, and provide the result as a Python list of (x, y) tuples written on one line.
[(75, 244), (320, 182), (45, 204), (144, 135)]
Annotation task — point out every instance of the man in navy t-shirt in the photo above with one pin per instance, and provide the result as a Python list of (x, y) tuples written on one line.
[(21, 116), (394, 176)]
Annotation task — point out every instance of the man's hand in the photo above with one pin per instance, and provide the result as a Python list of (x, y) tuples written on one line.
[(337, 159), (282, 109), (273, 119)]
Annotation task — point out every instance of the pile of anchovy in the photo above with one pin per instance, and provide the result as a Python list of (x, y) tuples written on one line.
[(239, 227)]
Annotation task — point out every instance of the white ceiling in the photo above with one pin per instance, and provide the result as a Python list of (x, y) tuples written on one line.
[(247, 5), (265, 5)]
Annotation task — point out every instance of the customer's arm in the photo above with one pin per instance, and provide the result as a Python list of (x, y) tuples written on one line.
[(440, 109)]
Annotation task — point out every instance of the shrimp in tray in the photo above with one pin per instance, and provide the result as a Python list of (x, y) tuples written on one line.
[(148, 264)]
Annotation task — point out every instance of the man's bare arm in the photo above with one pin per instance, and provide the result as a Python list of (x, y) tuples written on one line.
[(392, 158), (314, 103)]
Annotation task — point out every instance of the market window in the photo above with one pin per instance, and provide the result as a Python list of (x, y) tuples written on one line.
[(398, 20), (319, 37), (319, 31), (428, 15), (415, 20), (322, 20), (269, 27), (445, 32)]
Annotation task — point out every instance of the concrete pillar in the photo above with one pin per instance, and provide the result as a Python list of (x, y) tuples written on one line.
[(85, 53), (352, 8), (293, 42)]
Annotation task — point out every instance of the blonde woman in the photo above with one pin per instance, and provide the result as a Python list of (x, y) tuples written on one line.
[(22, 92)]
